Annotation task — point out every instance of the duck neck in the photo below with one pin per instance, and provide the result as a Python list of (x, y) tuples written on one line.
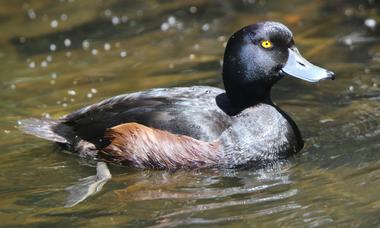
[(243, 96)]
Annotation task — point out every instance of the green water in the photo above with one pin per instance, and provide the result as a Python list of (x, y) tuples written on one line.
[(57, 56)]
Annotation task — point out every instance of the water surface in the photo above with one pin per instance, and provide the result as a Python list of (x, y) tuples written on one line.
[(57, 56)]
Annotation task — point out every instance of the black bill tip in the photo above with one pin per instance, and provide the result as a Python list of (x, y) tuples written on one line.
[(330, 75)]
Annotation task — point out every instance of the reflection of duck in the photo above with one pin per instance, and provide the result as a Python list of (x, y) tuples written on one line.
[(196, 126)]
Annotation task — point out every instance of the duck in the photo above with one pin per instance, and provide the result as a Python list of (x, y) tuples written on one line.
[(198, 126)]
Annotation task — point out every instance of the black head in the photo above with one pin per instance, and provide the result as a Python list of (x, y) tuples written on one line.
[(257, 56)]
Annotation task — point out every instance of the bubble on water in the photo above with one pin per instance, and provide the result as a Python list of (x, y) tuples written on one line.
[(93, 90), (64, 17), (75, 82), (44, 64), (196, 46), (22, 39), (52, 82), (107, 13), (53, 75), (7, 131), (179, 25), (370, 23), (64, 105), (171, 65), (123, 54), (165, 26), (115, 20), (71, 92), (32, 14), (68, 54), (349, 12), (124, 19), (85, 44), (205, 27), (171, 20), (117, 44), (221, 38), (107, 46), (193, 9), (94, 51), (89, 95), (49, 58), (67, 42), (191, 56), (54, 24), (140, 13), (32, 64), (53, 47), (351, 88), (13, 86)]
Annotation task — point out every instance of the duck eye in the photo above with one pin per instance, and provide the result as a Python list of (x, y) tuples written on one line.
[(266, 44)]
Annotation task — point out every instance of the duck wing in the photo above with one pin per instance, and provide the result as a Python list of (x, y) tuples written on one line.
[(138, 146), (190, 111)]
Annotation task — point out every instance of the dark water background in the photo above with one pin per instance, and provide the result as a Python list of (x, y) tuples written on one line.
[(57, 56)]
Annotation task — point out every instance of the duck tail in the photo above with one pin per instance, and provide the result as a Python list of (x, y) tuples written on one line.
[(44, 128)]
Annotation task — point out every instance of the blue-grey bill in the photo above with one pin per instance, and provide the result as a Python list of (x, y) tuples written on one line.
[(297, 66)]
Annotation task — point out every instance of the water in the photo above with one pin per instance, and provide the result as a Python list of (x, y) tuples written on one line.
[(57, 56)]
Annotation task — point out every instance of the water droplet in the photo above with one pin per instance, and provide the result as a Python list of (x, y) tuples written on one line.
[(221, 38), (49, 58), (124, 19), (71, 92), (107, 46), (67, 42), (140, 13), (85, 44), (107, 12), (123, 54), (53, 47), (63, 17), (44, 64), (115, 20), (193, 9), (54, 24), (94, 51), (171, 20), (22, 39), (370, 23), (165, 26), (205, 27), (32, 64), (31, 14)]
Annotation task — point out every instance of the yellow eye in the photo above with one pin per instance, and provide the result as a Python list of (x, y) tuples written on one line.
[(266, 44)]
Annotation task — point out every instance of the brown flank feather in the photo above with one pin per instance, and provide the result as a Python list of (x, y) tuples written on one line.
[(136, 145)]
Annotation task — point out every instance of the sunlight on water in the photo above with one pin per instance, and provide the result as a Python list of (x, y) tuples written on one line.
[(58, 56)]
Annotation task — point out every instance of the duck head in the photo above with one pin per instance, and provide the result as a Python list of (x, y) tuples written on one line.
[(259, 55)]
